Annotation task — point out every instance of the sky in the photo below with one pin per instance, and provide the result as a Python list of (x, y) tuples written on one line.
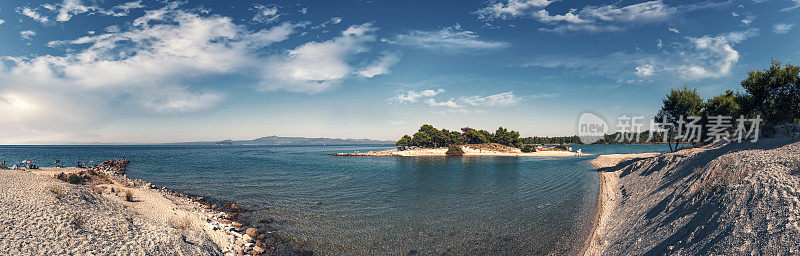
[(81, 71)]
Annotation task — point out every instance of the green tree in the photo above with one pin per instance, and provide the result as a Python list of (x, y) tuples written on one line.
[(680, 103), (775, 93), (405, 141), (422, 139), (725, 104), (457, 138), (440, 138), (475, 137), (454, 150)]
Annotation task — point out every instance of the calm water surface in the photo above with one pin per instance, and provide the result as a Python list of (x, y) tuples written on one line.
[(376, 205)]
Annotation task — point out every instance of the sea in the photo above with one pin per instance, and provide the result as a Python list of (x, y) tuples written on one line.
[(345, 205)]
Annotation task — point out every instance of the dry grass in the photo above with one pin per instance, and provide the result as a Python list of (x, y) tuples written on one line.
[(128, 196), (181, 224), (719, 174), (57, 191), (794, 167), (97, 189)]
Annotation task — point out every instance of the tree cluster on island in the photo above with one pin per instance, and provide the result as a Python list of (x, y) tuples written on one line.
[(430, 137)]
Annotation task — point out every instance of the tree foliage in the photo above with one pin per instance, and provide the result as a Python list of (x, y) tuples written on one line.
[(774, 93), (429, 136), (454, 150)]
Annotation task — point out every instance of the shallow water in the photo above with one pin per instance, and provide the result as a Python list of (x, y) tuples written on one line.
[(376, 205)]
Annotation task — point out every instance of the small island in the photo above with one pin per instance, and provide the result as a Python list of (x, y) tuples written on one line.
[(429, 141)]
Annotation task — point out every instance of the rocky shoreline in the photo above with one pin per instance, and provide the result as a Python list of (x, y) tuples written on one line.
[(213, 220)]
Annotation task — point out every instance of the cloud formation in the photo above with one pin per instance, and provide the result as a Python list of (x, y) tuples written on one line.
[(782, 28), (429, 98), (160, 63), (603, 18), (64, 11), (316, 66), (452, 38)]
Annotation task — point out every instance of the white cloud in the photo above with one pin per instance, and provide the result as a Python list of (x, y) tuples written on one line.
[(796, 4), (645, 70), (70, 8), (451, 38), (122, 9), (332, 20), (604, 18), (414, 96), (659, 43), (461, 104), (31, 13), (161, 64), (449, 103), (698, 58), (27, 34), (500, 99), (674, 30), (782, 28), (2, 21), (380, 67), (713, 56), (748, 18), (316, 66), (266, 14), (65, 10), (510, 9)]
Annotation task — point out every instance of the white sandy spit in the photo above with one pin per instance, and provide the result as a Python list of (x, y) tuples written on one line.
[(469, 150)]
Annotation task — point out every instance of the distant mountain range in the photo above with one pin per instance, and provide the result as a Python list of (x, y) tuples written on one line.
[(291, 141)]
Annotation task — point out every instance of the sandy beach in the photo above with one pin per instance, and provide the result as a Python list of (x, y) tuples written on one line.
[(719, 199), (469, 150), (608, 185), (47, 216)]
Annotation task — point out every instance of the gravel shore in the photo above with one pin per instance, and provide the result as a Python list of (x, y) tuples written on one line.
[(44, 216), (110, 214), (740, 198)]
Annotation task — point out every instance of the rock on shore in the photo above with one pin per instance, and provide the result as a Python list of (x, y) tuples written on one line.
[(740, 198)]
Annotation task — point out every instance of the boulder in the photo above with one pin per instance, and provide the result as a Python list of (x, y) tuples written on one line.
[(252, 232), (258, 250)]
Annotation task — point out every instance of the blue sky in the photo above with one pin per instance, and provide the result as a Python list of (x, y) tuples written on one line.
[(163, 71)]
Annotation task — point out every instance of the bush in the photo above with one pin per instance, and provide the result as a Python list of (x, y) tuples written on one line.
[(77, 221), (128, 196), (528, 149), (74, 179), (57, 191), (794, 168), (454, 150), (562, 147)]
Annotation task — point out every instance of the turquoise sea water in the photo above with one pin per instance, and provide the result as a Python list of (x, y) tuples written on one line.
[(376, 205)]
